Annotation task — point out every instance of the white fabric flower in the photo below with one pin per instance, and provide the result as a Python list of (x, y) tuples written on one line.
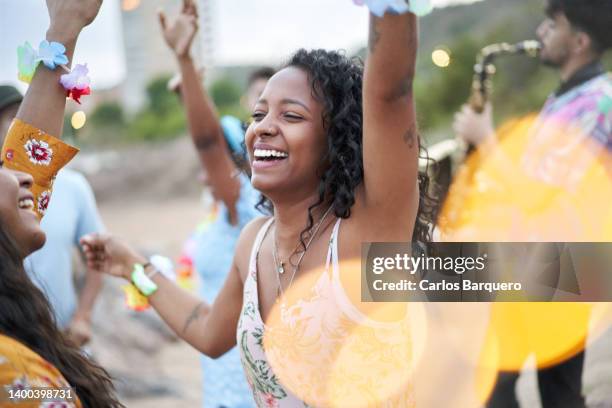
[(39, 152)]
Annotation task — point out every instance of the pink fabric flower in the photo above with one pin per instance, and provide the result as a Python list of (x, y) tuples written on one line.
[(39, 152), (76, 82), (77, 78)]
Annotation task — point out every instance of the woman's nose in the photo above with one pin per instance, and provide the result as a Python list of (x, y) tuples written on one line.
[(266, 127), (25, 179)]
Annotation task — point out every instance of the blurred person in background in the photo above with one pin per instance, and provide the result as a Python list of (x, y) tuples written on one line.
[(34, 353), (219, 144), (71, 215), (578, 115)]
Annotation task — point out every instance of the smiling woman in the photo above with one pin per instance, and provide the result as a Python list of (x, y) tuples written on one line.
[(333, 148), (33, 351), (17, 213)]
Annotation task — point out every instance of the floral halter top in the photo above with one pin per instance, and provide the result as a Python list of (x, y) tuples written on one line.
[(322, 351)]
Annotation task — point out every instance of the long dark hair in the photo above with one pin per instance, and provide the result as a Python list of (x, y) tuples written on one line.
[(26, 316), (336, 81)]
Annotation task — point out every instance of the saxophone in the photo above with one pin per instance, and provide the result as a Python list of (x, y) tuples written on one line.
[(450, 153), (482, 85)]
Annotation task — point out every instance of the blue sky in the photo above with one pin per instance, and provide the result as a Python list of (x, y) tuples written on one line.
[(246, 32)]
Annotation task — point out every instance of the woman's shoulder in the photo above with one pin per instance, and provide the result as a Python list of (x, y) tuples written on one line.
[(246, 241), (21, 369)]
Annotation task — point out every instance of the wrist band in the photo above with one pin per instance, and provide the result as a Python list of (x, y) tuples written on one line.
[(52, 55), (164, 266), (380, 7), (154, 270), (142, 282)]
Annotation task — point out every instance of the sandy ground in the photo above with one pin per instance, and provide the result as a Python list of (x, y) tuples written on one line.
[(167, 370)]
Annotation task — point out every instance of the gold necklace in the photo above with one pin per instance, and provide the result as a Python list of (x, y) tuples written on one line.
[(280, 266)]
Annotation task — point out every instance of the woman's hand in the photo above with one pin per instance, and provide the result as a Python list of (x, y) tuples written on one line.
[(180, 32), (474, 128), (68, 17), (107, 254), (79, 331)]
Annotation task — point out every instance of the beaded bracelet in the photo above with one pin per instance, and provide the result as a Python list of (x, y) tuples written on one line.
[(142, 282), (52, 55), (380, 7)]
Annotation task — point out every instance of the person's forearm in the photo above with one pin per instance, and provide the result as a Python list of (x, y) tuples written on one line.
[(45, 101), (182, 311), (93, 285), (390, 66), (202, 117)]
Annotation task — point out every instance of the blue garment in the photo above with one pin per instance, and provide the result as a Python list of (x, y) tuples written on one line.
[(72, 213), (224, 381)]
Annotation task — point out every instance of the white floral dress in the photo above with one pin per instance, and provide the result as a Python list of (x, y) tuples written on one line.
[(322, 351)]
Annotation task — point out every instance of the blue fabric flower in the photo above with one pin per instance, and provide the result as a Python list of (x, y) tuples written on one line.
[(380, 7), (52, 54)]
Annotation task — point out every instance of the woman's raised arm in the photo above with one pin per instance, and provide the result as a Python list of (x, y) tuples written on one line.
[(45, 101), (202, 117), (390, 139)]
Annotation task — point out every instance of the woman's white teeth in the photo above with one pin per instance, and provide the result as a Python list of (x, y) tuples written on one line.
[(26, 204), (264, 154)]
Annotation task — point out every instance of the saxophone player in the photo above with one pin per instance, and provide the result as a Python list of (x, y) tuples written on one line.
[(574, 37)]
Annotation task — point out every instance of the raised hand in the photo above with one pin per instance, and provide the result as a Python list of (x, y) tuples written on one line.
[(107, 254), (70, 16), (180, 32), (474, 128)]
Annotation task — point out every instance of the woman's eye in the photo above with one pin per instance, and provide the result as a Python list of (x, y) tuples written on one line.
[(257, 116), (292, 116)]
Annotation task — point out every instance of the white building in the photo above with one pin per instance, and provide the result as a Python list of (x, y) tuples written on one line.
[(146, 53)]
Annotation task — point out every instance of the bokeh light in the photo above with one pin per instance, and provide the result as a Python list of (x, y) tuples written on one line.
[(129, 5), (332, 350), (78, 120), (441, 57)]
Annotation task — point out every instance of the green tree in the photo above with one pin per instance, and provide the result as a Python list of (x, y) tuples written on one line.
[(107, 114), (161, 100), (225, 93)]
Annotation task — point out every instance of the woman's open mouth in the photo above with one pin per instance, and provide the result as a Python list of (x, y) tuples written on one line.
[(26, 203), (264, 158)]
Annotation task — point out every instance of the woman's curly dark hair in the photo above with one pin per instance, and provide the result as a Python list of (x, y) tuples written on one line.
[(336, 81)]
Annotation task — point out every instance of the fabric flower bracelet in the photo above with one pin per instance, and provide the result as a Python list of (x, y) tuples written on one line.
[(380, 7), (53, 55)]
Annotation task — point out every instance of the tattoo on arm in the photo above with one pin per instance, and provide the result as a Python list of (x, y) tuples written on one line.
[(195, 314), (410, 137), (374, 35), (402, 88)]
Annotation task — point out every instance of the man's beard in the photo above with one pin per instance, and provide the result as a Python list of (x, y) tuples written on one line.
[(547, 62), (552, 62)]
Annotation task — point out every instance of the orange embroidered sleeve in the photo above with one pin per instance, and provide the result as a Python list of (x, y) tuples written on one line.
[(30, 150), (23, 369)]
